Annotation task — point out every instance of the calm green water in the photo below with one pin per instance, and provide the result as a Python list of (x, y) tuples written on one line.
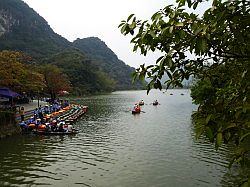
[(115, 148)]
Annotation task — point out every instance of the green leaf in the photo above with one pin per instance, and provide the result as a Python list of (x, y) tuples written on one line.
[(243, 74), (171, 29), (197, 30), (134, 76), (238, 113), (219, 140), (131, 15), (152, 34), (159, 84), (245, 184), (169, 75), (192, 45), (231, 162), (132, 25), (121, 24), (180, 24), (244, 136), (208, 118), (156, 16), (159, 59), (203, 45), (124, 27), (245, 98), (141, 76), (209, 134), (195, 5), (199, 131), (232, 125), (135, 48)]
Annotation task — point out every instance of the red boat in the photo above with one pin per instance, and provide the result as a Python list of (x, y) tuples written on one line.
[(136, 110)]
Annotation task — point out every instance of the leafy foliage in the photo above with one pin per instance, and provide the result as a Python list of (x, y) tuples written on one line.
[(17, 75), (85, 77), (215, 49), (55, 80), (176, 32)]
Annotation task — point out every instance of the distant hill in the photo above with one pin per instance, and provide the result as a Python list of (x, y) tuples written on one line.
[(22, 29), (107, 60)]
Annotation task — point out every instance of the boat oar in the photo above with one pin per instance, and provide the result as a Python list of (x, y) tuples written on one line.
[(143, 111), (129, 110)]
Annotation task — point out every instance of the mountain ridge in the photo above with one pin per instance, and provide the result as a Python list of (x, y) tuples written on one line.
[(23, 29)]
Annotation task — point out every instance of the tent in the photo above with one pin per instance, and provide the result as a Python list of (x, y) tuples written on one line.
[(6, 92)]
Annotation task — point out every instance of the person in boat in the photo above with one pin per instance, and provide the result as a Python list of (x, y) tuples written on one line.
[(46, 109), (53, 125), (35, 113), (60, 128), (137, 108), (23, 126), (40, 112), (38, 122), (141, 102), (70, 128), (31, 120)]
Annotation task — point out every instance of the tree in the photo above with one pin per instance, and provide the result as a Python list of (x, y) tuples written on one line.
[(218, 40), (55, 80), (17, 75), (220, 35)]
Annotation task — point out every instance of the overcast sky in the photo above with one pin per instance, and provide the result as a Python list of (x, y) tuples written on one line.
[(74, 19)]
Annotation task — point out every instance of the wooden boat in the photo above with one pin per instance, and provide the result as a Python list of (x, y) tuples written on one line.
[(38, 132), (136, 112), (141, 102), (155, 103)]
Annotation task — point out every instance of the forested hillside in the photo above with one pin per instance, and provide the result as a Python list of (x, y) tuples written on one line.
[(107, 60), (85, 76), (92, 68)]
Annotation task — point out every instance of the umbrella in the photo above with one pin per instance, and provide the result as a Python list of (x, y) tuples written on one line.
[(6, 92)]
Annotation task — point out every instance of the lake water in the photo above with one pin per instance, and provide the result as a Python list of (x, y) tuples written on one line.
[(156, 148)]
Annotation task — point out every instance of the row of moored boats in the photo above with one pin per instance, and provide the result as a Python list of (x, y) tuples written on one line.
[(55, 123)]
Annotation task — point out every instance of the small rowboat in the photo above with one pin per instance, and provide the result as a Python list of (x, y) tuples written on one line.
[(141, 102), (155, 103), (136, 112)]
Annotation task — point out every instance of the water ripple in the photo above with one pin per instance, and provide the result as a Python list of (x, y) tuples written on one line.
[(115, 148)]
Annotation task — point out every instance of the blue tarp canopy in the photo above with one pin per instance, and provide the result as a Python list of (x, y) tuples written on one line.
[(6, 92)]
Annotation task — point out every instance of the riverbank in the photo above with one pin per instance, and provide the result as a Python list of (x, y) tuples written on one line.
[(32, 105), (9, 125), (29, 108)]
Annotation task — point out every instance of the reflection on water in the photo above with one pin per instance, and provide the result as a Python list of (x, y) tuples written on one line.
[(116, 148)]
